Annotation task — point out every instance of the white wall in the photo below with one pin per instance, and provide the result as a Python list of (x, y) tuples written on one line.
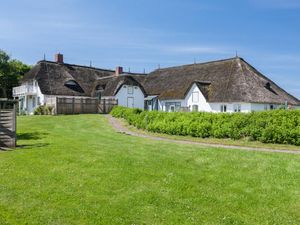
[(31, 100), (201, 102), (216, 106), (262, 107), (137, 95)]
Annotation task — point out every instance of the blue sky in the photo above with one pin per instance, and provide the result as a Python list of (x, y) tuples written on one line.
[(140, 34)]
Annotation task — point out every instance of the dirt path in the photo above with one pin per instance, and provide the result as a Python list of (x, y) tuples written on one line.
[(121, 128)]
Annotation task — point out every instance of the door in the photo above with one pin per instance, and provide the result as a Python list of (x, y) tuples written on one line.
[(172, 108), (130, 102)]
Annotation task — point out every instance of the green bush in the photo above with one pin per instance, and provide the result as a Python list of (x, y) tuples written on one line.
[(43, 110), (277, 126)]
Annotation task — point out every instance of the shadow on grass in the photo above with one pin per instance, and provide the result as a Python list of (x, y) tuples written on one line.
[(3, 149), (37, 145), (31, 136)]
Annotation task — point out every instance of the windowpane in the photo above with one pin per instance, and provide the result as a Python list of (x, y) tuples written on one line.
[(237, 107), (195, 96), (223, 108)]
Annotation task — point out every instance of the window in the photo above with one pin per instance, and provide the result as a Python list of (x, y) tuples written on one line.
[(74, 86), (124, 86), (33, 102), (195, 108), (265, 107), (223, 108), (39, 100), (22, 103), (237, 108), (130, 90), (173, 106), (272, 107), (195, 97)]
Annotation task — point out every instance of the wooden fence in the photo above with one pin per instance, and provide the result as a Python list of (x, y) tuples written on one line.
[(7, 124), (106, 105), (67, 105)]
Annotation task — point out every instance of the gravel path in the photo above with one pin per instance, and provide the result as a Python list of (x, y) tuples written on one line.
[(120, 128)]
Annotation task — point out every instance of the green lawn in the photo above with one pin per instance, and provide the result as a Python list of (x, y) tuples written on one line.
[(77, 170)]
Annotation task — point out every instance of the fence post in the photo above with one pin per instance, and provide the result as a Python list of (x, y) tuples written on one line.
[(14, 123), (56, 105), (73, 105), (81, 106), (104, 106), (96, 105)]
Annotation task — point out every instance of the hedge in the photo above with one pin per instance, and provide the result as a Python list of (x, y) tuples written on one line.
[(277, 126)]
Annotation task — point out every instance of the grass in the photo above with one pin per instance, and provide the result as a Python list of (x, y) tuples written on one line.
[(230, 142), (77, 170)]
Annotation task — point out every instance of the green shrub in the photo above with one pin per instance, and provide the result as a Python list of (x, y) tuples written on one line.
[(43, 110), (277, 126)]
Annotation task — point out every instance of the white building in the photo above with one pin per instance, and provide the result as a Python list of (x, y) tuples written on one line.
[(230, 85), (48, 80)]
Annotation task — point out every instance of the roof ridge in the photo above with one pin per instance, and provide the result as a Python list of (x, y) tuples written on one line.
[(87, 67), (202, 63), (75, 65)]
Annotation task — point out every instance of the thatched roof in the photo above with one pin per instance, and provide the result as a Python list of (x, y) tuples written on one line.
[(52, 78), (230, 80), (111, 85)]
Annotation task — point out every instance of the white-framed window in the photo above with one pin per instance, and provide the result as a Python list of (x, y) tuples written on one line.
[(130, 90), (237, 107), (195, 96), (124, 86), (33, 102), (223, 108), (195, 108), (39, 100), (266, 107)]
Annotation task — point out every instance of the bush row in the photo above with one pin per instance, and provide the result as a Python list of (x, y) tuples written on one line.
[(277, 126)]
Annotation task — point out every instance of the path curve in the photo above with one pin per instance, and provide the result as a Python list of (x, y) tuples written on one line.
[(121, 128)]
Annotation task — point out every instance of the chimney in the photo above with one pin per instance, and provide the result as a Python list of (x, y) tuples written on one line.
[(119, 70), (59, 58)]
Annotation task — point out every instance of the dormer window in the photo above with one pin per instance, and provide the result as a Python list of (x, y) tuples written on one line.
[(130, 90), (269, 87), (74, 86)]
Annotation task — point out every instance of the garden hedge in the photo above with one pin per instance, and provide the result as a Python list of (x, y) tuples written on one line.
[(277, 126)]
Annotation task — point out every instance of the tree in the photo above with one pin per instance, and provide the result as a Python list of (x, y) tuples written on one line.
[(11, 71)]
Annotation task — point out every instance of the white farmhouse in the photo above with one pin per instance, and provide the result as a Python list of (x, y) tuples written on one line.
[(48, 80), (230, 85)]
